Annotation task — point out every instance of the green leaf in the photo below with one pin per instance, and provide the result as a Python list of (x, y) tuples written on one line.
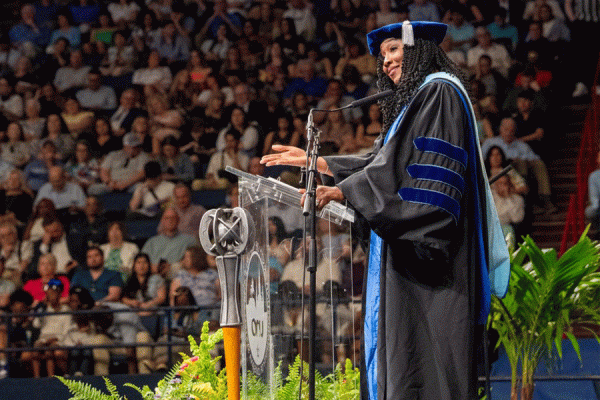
[(575, 344)]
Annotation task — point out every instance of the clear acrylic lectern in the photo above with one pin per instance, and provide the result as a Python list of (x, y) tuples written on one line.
[(274, 284)]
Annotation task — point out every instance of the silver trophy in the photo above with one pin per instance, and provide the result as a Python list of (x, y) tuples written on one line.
[(226, 234)]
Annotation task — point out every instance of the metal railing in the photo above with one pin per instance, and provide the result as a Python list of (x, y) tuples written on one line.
[(165, 314), (6, 319)]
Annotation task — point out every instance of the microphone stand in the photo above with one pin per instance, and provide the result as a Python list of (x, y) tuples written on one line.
[(310, 218), (309, 179)]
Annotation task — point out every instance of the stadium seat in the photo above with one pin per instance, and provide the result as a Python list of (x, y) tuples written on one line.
[(209, 198)]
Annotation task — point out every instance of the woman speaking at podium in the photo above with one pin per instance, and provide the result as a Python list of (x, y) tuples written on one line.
[(423, 194)]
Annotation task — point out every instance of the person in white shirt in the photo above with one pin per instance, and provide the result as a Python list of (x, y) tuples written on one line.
[(11, 104), (64, 194), (247, 130), (230, 155), (304, 20), (121, 169), (123, 12), (53, 332), (501, 60), (154, 78), (509, 205), (97, 96), (74, 75)]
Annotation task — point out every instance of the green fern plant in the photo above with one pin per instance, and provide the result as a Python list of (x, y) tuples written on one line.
[(196, 378), (346, 383), (288, 390), (257, 389), (85, 391)]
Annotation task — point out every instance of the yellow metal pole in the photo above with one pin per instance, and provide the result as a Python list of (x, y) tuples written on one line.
[(231, 338)]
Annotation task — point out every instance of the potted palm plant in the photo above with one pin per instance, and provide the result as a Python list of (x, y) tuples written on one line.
[(548, 297)]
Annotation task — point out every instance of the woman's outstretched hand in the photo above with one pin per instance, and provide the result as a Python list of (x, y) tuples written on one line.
[(292, 156), (285, 155)]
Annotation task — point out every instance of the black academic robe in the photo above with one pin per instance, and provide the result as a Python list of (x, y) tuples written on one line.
[(412, 193)]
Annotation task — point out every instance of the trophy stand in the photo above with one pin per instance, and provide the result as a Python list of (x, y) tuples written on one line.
[(227, 234)]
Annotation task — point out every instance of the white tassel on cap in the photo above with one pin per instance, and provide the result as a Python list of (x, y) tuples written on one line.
[(408, 38)]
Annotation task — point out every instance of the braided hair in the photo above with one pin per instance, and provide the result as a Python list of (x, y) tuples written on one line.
[(420, 60)]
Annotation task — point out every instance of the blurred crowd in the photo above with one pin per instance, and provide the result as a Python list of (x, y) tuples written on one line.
[(122, 115)]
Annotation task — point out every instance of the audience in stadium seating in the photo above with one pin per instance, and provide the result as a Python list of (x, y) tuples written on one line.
[(82, 361), (510, 206), (182, 324), (175, 165), (196, 274), (74, 75), (36, 171), (16, 197), (20, 332)]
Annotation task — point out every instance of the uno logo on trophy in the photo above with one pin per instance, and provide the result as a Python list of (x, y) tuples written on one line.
[(257, 313)]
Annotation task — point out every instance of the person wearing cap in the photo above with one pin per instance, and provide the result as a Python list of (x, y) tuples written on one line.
[(122, 169), (424, 195), (53, 331)]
